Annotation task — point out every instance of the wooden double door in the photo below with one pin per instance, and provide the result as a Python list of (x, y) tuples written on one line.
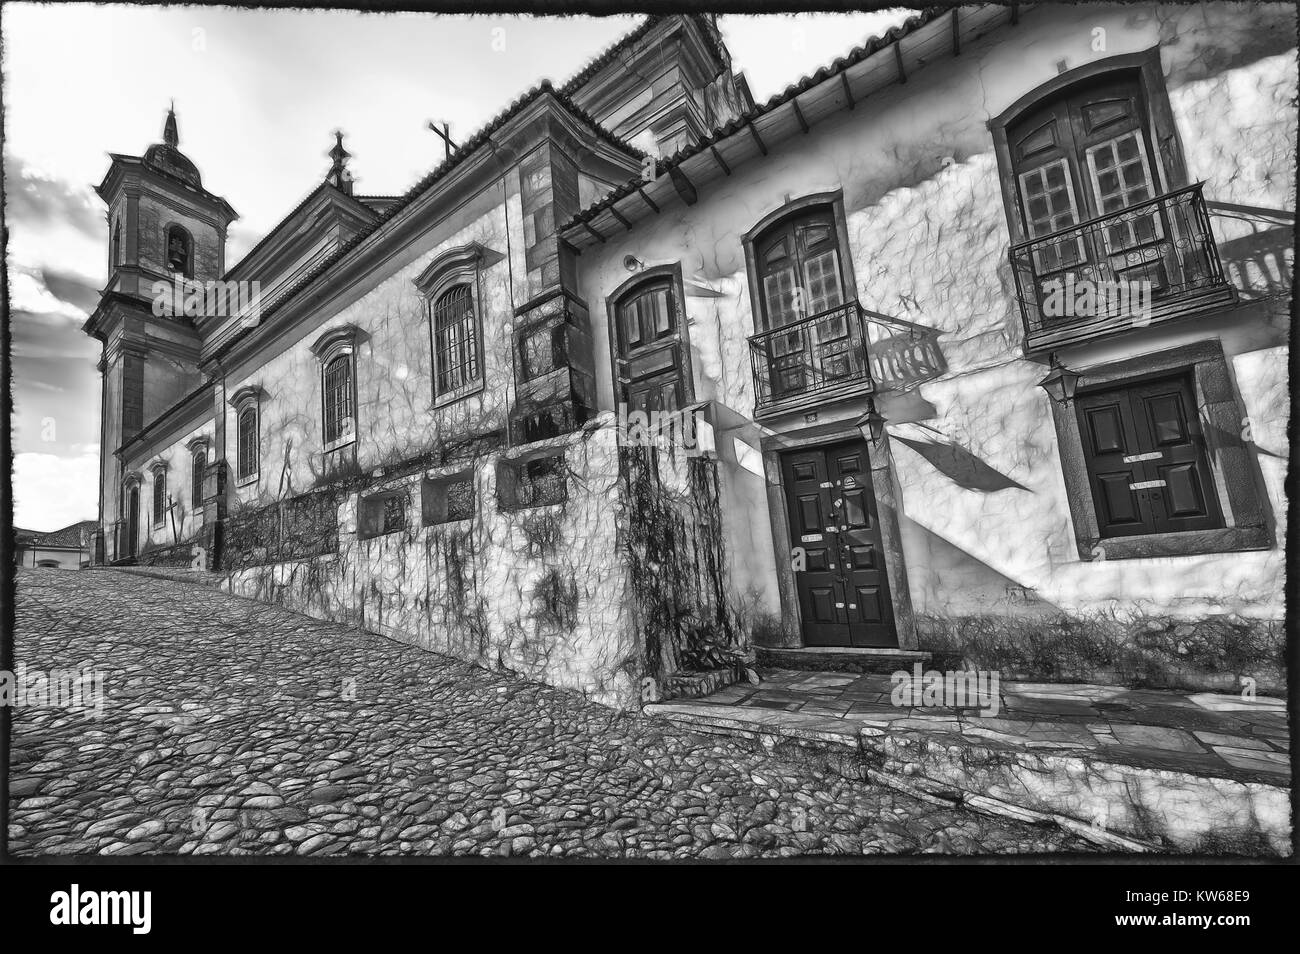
[(839, 565), (1146, 459)]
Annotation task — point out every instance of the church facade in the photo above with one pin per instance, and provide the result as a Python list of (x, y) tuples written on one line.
[(973, 340)]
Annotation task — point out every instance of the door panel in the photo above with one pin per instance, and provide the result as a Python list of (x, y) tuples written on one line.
[(133, 522), (1165, 412), (1146, 459), (649, 354), (843, 590)]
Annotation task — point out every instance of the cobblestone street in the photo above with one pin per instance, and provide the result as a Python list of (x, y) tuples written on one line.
[(232, 727)]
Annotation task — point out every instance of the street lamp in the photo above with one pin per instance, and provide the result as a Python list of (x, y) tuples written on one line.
[(1060, 382), (872, 424)]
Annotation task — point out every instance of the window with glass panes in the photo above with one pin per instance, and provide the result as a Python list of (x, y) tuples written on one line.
[(246, 447), (455, 340), (198, 464), (799, 268), (159, 496), (1079, 156), (338, 411)]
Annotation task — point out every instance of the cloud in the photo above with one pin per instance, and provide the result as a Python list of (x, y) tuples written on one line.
[(32, 196), (29, 294), (53, 490), (76, 290), (54, 380)]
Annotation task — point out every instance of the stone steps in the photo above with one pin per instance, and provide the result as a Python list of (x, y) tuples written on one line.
[(841, 659)]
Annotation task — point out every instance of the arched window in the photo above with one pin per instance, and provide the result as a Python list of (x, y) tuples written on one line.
[(455, 341), (159, 496), (798, 265), (1082, 153), (1096, 191), (652, 355), (339, 423), (336, 351), (199, 463), (115, 252), (247, 442), (180, 251)]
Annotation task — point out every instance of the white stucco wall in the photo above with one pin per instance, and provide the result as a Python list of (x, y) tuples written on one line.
[(928, 241), (179, 462)]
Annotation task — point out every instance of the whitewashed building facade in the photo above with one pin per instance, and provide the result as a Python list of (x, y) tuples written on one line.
[(437, 421)]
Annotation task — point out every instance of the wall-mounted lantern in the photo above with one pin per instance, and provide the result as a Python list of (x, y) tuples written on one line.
[(872, 424), (1060, 382)]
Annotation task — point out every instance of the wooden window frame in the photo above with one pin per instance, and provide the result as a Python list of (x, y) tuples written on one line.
[(1238, 483), (834, 202), (157, 514), (1170, 173), (673, 273), (198, 476), (245, 399), (461, 265), (474, 324), (333, 345)]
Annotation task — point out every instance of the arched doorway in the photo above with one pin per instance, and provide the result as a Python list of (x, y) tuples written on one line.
[(132, 520)]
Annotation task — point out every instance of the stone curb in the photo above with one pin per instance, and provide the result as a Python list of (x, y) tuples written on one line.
[(871, 754)]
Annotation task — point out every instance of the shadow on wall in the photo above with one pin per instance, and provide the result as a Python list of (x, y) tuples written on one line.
[(984, 589), (1258, 251), (1006, 627)]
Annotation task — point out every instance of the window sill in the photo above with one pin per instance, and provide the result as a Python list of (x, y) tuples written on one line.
[(1187, 543), (451, 397), (340, 444), (446, 523), (245, 481), (517, 508), (379, 534)]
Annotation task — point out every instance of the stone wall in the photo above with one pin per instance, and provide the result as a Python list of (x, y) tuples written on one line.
[(622, 580)]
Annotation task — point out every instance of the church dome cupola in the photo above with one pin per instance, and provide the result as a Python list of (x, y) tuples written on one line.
[(166, 157)]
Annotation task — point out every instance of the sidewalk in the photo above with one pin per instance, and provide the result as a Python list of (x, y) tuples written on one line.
[(1202, 772)]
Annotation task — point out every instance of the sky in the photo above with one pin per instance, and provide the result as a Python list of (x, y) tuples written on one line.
[(258, 94)]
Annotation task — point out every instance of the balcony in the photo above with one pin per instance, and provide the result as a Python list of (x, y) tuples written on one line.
[(1151, 262), (811, 361)]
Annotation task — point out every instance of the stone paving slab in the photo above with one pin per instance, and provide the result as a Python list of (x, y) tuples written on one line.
[(1201, 733), (1189, 772), (236, 728)]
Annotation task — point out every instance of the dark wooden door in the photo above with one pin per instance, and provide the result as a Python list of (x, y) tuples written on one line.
[(650, 364), (1146, 459), (842, 587), (133, 520)]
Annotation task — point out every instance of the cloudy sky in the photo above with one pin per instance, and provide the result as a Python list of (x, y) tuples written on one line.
[(257, 95)]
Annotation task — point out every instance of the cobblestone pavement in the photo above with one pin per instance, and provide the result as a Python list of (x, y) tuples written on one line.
[(232, 727)]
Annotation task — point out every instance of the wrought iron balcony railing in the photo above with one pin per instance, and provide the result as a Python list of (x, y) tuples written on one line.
[(1117, 270), (812, 358)]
